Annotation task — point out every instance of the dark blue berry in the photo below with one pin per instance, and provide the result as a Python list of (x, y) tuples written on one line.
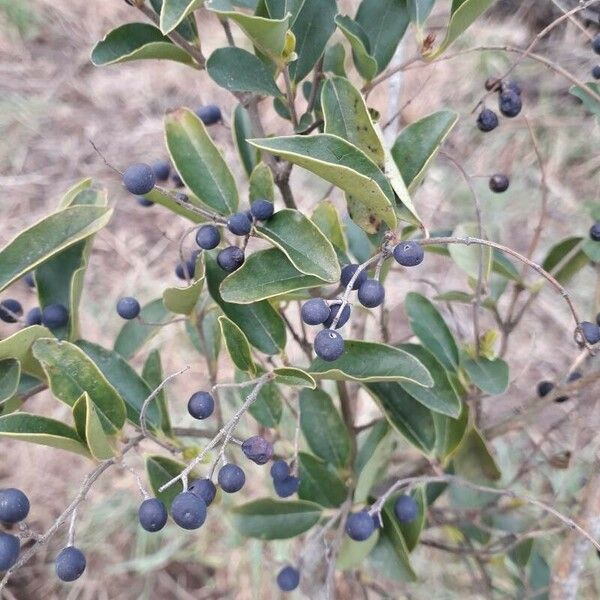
[(186, 270), (596, 43), (574, 376), (239, 224), (33, 317), (70, 564), (347, 274), (280, 470), (510, 103), (595, 232), (262, 210), (230, 259), (544, 388), (591, 332), (371, 293), (333, 311), (152, 514), (288, 579), (315, 311), (360, 526), (512, 86), (258, 450), (329, 345), (208, 237), (177, 181), (9, 550), (596, 72), (12, 312), (139, 179), (144, 201), (204, 489), (14, 505), (30, 279), (406, 508), (201, 405), (286, 487), (128, 308), (499, 183), (231, 478), (209, 114), (377, 524), (161, 169), (188, 510), (487, 120), (409, 253), (55, 315)]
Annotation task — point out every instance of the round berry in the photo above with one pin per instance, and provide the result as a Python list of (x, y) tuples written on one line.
[(591, 332), (512, 86), (288, 579), (409, 253), (128, 308), (544, 388), (55, 315), (258, 450), (280, 470), (315, 311), (161, 169), (10, 546), (595, 232), (208, 237), (406, 508), (286, 487), (510, 103), (186, 269), (144, 201), (596, 72), (487, 120), (188, 510), (347, 274), (14, 505), (201, 405), (371, 293), (177, 181), (205, 489), (499, 183), (10, 310), (262, 210), (230, 259), (70, 564), (574, 376), (239, 224), (30, 279), (333, 311), (360, 526), (231, 478), (209, 114), (139, 179), (329, 345), (596, 43), (152, 514), (33, 317)]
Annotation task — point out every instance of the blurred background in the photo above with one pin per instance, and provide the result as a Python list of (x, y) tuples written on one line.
[(53, 102)]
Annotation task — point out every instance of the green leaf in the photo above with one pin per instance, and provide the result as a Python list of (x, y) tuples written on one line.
[(131, 387), (590, 102), (161, 469), (490, 376), (27, 384), (384, 22), (373, 459), (261, 183), (173, 12), (10, 375), (199, 162), (468, 257), (241, 130), (46, 238), (268, 519), (18, 346), (237, 70), (237, 345), (334, 60), (265, 274), (164, 198), (462, 15), (41, 430), (449, 432), (137, 41), (303, 243), (429, 326), (418, 144), (71, 373), (344, 165), (153, 375), (208, 340), (319, 482), (347, 116), (187, 28), (100, 445), (135, 333), (327, 219), (361, 47), (369, 361), (70, 195), (323, 427), (183, 300), (294, 377), (473, 459), (591, 249), (260, 322), (565, 259), (442, 397), (352, 553), (419, 10)]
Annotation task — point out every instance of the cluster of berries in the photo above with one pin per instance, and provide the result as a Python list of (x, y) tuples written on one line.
[(509, 103), (329, 344), (545, 387), (14, 508)]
